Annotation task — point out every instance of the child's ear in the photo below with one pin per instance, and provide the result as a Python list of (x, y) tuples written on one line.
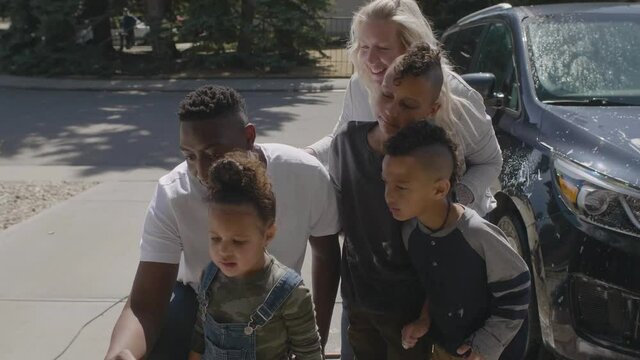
[(442, 188), (270, 233)]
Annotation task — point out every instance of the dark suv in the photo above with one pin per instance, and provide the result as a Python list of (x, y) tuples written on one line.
[(562, 84)]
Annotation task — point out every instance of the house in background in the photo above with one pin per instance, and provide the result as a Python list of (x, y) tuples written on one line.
[(346, 8)]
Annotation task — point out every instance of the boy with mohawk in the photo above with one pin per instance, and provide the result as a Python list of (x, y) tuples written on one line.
[(477, 286)]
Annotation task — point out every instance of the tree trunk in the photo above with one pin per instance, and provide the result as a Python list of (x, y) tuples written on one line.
[(23, 25), (97, 13), (248, 11), (160, 36), (285, 44)]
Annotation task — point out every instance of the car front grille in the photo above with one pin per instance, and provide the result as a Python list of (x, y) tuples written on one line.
[(606, 314)]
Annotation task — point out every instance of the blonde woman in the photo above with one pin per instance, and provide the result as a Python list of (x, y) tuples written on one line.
[(381, 31)]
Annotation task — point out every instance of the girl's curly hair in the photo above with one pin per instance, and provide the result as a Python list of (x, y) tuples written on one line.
[(239, 178)]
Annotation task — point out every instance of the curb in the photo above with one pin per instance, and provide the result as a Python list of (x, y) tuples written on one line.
[(173, 85)]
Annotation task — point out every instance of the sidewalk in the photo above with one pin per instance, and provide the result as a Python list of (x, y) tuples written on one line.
[(68, 269), (67, 265), (172, 85)]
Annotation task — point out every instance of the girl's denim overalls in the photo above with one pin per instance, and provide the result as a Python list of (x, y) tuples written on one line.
[(237, 341)]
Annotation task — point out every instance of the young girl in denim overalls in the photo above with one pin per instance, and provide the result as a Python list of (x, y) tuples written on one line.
[(251, 306)]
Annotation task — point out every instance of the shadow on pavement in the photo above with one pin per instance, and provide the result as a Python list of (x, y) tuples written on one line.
[(106, 129)]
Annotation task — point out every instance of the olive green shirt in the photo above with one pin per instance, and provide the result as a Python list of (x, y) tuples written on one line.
[(292, 329)]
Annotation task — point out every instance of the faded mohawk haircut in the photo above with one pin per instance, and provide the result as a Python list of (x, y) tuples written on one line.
[(211, 102), (421, 60), (420, 135)]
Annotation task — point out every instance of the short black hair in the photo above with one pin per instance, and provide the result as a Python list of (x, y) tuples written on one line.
[(421, 135), (211, 102), (421, 60)]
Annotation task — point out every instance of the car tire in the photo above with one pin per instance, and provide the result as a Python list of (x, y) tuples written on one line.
[(508, 220)]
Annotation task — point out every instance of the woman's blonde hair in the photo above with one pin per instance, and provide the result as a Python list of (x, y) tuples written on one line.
[(413, 28), (406, 14)]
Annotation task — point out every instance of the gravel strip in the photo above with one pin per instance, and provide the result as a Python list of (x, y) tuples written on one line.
[(20, 200)]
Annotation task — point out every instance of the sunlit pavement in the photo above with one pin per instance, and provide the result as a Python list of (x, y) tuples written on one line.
[(68, 269)]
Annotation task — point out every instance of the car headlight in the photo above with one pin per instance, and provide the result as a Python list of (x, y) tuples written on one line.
[(596, 199)]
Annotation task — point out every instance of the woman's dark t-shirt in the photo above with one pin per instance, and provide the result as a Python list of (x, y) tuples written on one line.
[(377, 274)]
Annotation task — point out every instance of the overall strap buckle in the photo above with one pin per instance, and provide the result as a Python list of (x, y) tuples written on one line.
[(277, 296)]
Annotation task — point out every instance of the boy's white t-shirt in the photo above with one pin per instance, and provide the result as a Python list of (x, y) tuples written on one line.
[(176, 225)]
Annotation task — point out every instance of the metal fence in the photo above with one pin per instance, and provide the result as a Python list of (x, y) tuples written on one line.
[(333, 60)]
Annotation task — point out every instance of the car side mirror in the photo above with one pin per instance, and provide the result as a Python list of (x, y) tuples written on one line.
[(485, 83)]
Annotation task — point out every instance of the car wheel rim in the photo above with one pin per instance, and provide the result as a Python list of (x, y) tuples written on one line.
[(509, 229)]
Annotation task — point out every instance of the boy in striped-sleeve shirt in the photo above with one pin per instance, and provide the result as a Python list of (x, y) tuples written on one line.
[(477, 286)]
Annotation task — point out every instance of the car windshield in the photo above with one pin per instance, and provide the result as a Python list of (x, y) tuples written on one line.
[(585, 59)]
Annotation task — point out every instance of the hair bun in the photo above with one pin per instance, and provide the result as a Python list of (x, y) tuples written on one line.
[(227, 174), (240, 178)]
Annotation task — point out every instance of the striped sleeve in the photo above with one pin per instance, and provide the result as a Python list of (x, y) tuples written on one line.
[(508, 281)]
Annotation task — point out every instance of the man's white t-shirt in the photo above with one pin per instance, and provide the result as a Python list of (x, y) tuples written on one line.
[(176, 225)]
